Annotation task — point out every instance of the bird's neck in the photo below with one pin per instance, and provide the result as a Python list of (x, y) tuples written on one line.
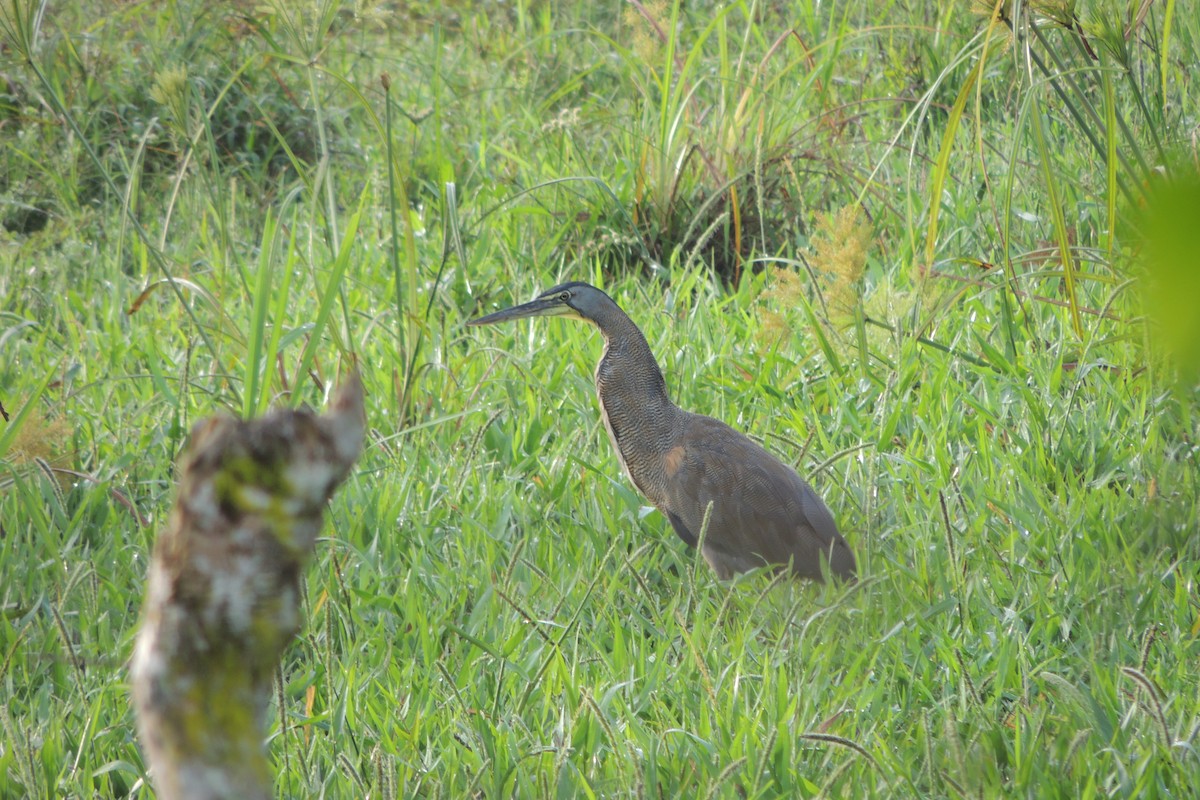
[(633, 394)]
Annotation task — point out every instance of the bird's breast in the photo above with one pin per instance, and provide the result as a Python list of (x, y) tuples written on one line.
[(616, 423), (641, 421), (646, 454)]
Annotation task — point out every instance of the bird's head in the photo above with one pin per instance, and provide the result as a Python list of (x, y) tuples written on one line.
[(574, 300)]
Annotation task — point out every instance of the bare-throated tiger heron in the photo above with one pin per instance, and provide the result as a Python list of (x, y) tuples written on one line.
[(762, 512)]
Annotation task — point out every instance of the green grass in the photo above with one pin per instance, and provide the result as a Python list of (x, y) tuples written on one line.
[(995, 423)]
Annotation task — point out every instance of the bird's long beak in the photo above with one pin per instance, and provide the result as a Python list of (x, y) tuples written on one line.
[(541, 307)]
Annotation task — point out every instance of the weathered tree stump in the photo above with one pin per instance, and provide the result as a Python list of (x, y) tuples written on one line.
[(223, 592)]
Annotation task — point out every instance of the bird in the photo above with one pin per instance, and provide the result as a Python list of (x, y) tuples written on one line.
[(718, 488)]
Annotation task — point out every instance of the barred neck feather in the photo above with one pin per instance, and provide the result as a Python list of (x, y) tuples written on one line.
[(641, 420)]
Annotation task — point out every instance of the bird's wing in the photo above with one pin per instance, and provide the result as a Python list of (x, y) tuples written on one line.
[(762, 511), (681, 529)]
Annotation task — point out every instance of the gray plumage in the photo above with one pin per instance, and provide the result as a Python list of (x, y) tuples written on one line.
[(762, 512)]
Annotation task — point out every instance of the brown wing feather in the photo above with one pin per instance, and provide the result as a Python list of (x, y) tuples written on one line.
[(762, 511)]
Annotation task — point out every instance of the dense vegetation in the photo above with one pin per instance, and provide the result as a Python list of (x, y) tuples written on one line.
[(939, 256)]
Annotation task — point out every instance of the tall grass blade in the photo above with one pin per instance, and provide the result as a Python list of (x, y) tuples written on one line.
[(941, 165), (1061, 233), (330, 293), (253, 401)]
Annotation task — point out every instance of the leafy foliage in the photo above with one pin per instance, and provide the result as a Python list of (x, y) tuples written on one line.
[(212, 205)]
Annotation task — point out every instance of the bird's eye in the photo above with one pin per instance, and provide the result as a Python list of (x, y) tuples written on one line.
[(565, 296)]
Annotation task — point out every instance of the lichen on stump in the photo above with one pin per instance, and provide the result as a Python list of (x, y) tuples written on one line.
[(223, 591)]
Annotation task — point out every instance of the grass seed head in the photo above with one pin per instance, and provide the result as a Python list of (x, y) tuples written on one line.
[(839, 249)]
